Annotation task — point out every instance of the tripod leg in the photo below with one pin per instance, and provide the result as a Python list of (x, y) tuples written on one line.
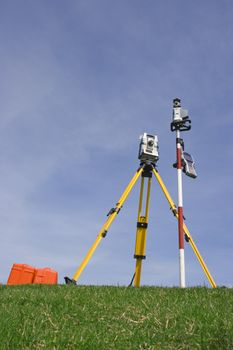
[(186, 231), (199, 257), (111, 216), (142, 223), (137, 276), (140, 239)]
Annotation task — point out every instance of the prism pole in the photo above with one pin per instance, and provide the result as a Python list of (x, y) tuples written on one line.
[(180, 209), (180, 122)]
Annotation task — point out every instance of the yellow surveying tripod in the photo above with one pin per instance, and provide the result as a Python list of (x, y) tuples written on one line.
[(148, 154)]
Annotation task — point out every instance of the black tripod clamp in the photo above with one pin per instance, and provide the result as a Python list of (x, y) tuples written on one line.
[(147, 169)]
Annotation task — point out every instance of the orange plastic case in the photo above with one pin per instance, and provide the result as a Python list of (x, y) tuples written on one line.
[(21, 274), (26, 274), (45, 276)]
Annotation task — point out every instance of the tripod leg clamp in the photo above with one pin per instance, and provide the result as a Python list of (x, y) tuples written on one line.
[(104, 233), (139, 256), (174, 211), (113, 210)]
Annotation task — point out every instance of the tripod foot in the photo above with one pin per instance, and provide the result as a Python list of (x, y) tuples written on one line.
[(69, 281)]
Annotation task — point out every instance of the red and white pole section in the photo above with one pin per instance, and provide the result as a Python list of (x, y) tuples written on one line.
[(180, 209)]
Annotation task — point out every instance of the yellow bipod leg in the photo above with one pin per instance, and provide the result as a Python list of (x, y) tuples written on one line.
[(187, 232), (111, 216), (142, 223)]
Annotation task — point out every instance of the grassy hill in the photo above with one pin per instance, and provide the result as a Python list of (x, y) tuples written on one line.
[(91, 317)]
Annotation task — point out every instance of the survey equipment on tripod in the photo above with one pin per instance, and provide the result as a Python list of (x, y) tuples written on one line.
[(180, 118), (148, 156), (148, 148)]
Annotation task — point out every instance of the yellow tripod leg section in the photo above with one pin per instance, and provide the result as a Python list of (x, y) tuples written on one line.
[(142, 223), (140, 240), (187, 232), (111, 216), (138, 269)]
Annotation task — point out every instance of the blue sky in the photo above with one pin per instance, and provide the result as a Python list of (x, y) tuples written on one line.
[(80, 81)]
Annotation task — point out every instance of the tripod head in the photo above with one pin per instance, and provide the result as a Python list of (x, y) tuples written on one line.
[(181, 119)]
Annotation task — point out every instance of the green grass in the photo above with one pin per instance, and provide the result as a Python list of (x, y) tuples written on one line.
[(90, 317)]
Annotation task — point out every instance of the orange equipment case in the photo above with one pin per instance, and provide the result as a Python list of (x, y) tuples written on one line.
[(45, 276), (21, 274)]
